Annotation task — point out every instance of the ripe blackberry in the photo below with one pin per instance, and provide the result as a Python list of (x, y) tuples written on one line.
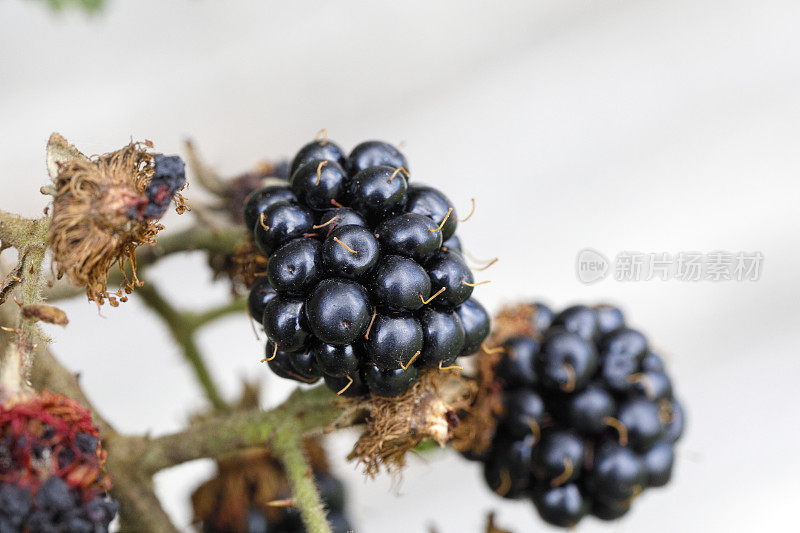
[(365, 284), (51, 468), (588, 417)]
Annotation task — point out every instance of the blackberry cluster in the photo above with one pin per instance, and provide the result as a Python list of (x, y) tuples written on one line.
[(51, 477), (365, 283), (589, 416)]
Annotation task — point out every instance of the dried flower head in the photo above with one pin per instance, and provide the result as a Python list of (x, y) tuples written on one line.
[(51, 459), (479, 420), (104, 208), (395, 426)]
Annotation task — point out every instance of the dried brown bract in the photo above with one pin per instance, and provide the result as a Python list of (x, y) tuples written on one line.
[(98, 215), (478, 422), (395, 426)]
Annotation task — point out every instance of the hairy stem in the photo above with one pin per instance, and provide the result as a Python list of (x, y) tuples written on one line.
[(304, 491), (304, 412), (183, 332)]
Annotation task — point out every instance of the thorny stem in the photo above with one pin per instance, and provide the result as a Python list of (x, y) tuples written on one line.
[(182, 327), (306, 496), (29, 237), (304, 412)]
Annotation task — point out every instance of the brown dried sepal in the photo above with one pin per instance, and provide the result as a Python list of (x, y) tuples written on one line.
[(241, 268), (479, 420), (45, 313), (395, 426), (94, 225)]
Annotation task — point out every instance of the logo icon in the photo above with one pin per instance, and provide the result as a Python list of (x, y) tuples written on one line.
[(591, 266)]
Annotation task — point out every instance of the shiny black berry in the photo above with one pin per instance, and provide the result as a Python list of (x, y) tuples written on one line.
[(560, 454), (609, 318), (349, 386), (411, 235), (350, 252), (321, 150), (448, 271), (374, 153), (617, 473), (330, 219), (587, 411), (319, 182), (515, 368), (524, 412), (476, 323), (282, 222), (260, 294), (566, 361), (296, 267), (258, 201), (393, 341), (579, 319), (338, 310), (507, 468), (378, 192), (399, 284), (562, 506), (443, 338), (388, 383), (658, 461), (433, 204), (285, 324), (335, 360)]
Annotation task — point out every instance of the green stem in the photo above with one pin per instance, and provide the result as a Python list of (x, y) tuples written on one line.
[(306, 411), (183, 333), (288, 446)]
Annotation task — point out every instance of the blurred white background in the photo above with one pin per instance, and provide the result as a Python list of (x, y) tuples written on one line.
[(619, 125)]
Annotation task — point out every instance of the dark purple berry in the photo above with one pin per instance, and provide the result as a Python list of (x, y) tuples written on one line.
[(676, 421), (642, 419), (305, 365), (453, 244)]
